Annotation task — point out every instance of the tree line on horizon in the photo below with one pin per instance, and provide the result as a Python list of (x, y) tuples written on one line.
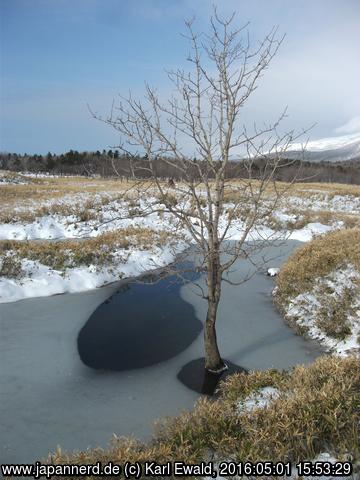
[(111, 163)]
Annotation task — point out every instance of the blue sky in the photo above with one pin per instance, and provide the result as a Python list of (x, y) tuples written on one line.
[(57, 56)]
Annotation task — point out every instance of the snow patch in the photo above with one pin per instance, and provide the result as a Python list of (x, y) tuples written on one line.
[(310, 231), (272, 272), (259, 399)]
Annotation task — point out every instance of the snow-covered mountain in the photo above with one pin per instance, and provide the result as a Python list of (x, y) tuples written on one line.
[(332, 149)]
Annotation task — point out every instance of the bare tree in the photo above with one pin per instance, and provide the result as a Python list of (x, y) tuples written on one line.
[(197, 132)]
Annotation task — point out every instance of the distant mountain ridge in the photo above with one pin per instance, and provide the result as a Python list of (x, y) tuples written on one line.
[(331, 149)]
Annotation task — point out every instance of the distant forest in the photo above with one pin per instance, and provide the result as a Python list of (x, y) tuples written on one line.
[(111, 163)]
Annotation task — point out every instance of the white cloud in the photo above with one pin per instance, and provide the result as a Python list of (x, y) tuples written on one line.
[(352, 126)]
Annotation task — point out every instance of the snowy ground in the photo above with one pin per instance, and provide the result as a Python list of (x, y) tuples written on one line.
[(324, 201), (107, 213)]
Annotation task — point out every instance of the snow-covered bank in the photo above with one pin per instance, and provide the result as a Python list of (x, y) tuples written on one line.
[(305, 309), (41, 281), (318, 291), (58, 227)]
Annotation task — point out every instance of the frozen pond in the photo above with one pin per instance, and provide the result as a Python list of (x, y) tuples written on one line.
[(71, 374)]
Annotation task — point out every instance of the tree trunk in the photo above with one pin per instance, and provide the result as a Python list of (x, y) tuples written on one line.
[(213, 360)]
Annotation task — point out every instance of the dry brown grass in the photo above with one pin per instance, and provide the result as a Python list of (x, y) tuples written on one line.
[(318, 410), (58, 187), (306, 190), (98, 251), (78, 196), (27, 202), (83, 210), (332, 189), (44, 196), (10, 266)]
